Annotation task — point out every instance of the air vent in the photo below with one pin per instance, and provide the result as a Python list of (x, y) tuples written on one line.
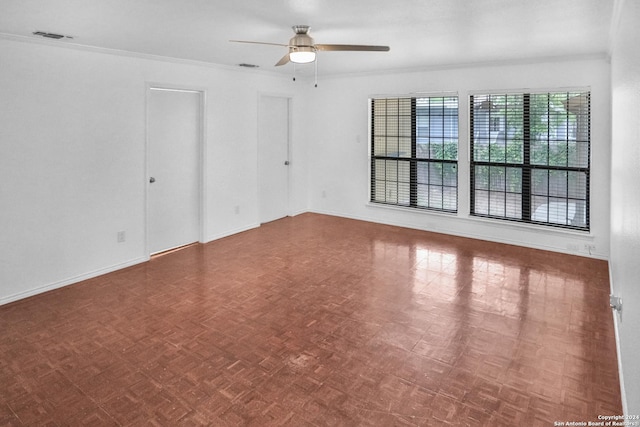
[(51, 35), (248, 65)]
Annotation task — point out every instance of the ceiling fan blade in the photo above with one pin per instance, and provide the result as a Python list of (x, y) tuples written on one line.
[(283, 60), (352, 47), (250, 42)]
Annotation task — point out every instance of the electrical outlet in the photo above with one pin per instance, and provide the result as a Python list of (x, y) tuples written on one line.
[(122, 236), (615, 302), (590, 248), (237, 210), (324, 194)]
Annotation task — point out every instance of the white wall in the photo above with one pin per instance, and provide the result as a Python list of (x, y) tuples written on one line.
[(625, 195), (338, 145), (72, 158)]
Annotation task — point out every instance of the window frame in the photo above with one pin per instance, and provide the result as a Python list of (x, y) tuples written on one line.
[(528, 166), (413, 160)]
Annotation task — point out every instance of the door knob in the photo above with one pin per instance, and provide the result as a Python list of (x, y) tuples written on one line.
[(286, 162), (152, 180)]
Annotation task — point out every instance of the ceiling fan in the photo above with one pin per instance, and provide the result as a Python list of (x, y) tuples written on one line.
[(302, 48)]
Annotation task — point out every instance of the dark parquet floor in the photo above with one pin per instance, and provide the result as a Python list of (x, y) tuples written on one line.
[(318, 321)]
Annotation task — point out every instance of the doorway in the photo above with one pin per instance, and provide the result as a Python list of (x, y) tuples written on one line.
[(174, 132), (273, 157)]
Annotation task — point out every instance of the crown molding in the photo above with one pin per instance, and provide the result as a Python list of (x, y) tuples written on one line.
[(137, 55)]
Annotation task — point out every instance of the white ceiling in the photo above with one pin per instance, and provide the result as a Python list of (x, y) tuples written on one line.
[(421, 33)]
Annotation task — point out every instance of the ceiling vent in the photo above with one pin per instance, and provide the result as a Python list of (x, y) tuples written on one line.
[(51, 35)]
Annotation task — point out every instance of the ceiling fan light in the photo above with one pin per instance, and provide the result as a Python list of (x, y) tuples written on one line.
[(303, 55)]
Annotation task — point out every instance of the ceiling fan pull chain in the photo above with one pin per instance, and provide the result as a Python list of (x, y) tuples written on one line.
[(316, 71), (294, 71)]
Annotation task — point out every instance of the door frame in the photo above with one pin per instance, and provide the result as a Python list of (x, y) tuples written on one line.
[(202, 155), (289, 98)]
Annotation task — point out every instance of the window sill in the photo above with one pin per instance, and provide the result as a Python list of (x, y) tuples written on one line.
[(530, 227), (469, 219), (412, 210)]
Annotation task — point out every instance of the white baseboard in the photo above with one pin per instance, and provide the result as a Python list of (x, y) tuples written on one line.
[(70, 281), (299, 212), (231, 232), (461, 234), (616, 319)]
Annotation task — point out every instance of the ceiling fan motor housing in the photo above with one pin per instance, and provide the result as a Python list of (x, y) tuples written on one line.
[(302, 41)]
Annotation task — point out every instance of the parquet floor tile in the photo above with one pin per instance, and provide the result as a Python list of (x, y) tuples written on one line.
[(318, 321)]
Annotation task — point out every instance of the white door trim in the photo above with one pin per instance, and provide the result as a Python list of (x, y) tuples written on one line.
[(202, 153)]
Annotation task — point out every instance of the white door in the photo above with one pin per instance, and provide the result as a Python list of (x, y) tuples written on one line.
[(273, 157), (174, 172)]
